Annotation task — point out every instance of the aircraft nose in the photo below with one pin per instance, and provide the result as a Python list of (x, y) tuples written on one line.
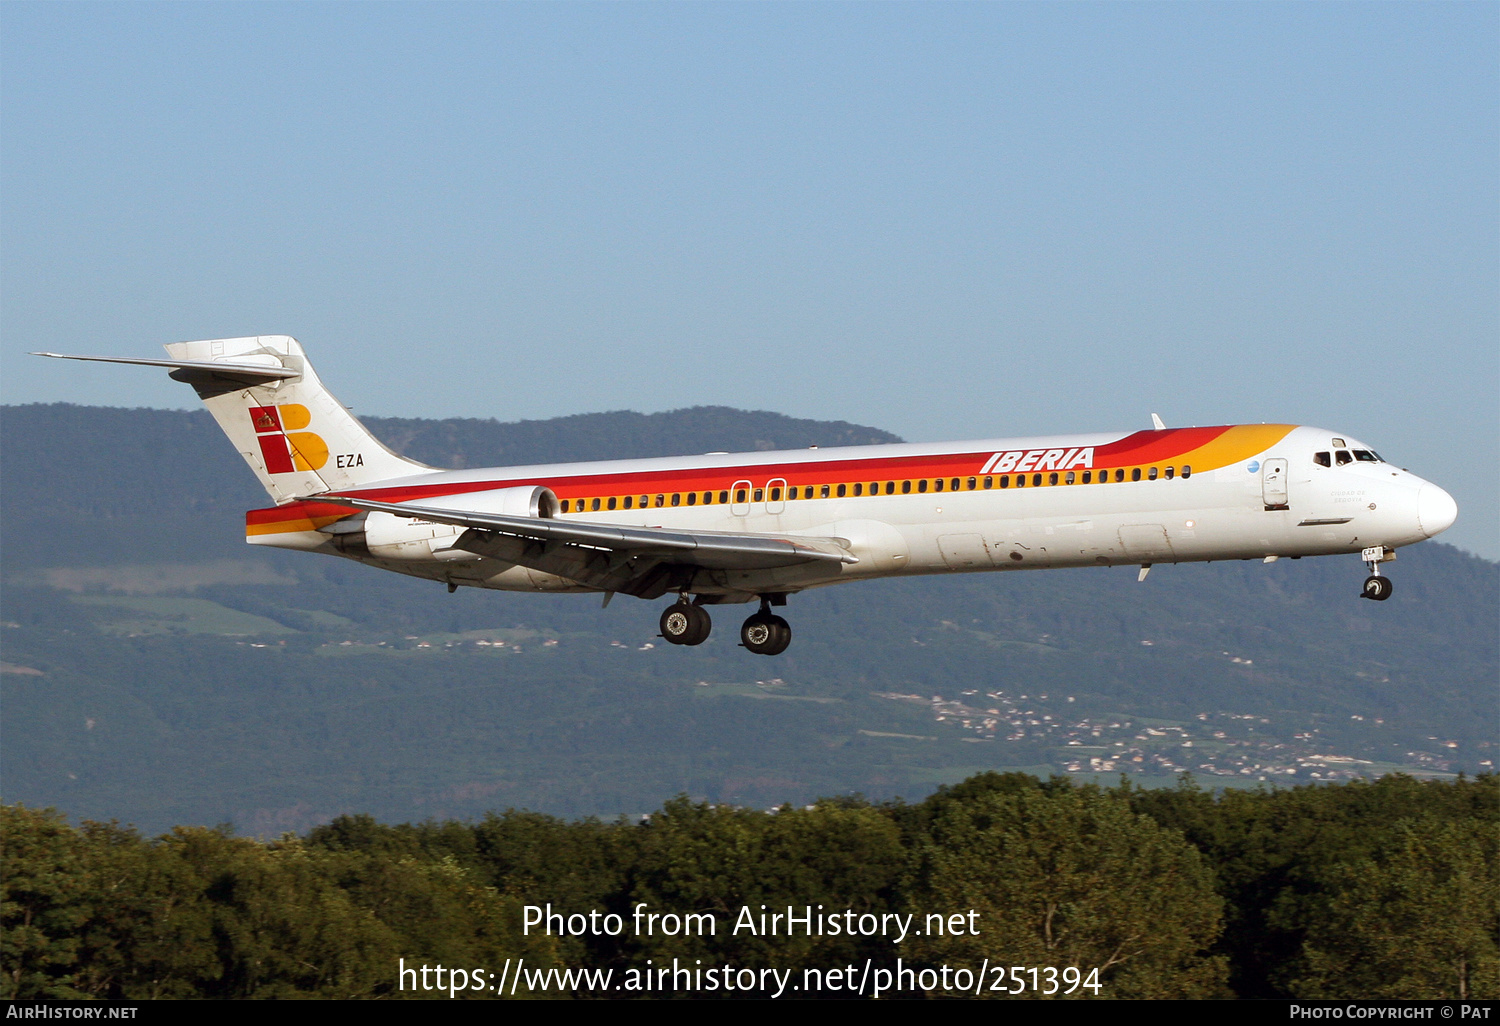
[(1436, 510)]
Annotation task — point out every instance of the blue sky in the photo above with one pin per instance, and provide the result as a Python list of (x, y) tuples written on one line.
[(944, 220)]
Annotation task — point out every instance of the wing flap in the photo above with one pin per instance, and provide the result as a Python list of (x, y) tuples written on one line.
[(708, 549)]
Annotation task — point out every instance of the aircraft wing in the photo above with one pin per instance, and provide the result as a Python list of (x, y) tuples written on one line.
[(644, 561)]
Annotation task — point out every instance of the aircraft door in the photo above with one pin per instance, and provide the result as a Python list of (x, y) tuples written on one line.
[(739, 499), (1273, 484), (775, 495)]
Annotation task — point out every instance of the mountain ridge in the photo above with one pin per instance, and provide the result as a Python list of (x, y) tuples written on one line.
[(161, 671)]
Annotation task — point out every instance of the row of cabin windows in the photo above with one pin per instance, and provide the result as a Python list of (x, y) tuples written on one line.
[(1343, 456), (861, 488)]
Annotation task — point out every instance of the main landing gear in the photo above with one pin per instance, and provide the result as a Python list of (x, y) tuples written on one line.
[(683, 623), (765, 633), (1376, 587)]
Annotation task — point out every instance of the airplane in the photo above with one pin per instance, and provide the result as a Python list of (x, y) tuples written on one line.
[(758, 527)]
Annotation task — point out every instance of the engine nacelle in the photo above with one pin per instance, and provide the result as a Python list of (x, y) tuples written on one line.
[(388, 536)]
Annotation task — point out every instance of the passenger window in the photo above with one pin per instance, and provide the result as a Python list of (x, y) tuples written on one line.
[(1020, 480), (921, 486), (724, 497), (676, 498), (692, 499), (905, 487), (776, 494), (594, 504), (739, 496), (1088, 477), (1069, 478), (1343, 457), (565, 505), (1052, 478), (1187, 472), (611, 502), (759, 492), (1169, 472), (989, 482), (971, 484), (954, 484), (824, 491), (890, 488), (937, 485), (1004, 480), (629, 499), (1120, 474), (1135, 473), (661, 500), (1322, 459), (1036, 480), (1151, 475)]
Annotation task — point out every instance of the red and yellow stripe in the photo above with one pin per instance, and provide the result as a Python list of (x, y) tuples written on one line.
[(1202, 449)]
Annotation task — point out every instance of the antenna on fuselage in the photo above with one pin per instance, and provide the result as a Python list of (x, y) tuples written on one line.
[(1156, 423)]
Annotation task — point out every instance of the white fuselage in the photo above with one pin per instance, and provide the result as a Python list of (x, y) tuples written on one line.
[(1244, 499)]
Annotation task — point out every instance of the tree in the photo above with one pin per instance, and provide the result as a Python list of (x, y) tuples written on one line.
[(1419, 920), (1063, 876), (43, 901), (720, 860)]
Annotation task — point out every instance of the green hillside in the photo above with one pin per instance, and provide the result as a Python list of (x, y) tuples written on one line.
[(159, 672)]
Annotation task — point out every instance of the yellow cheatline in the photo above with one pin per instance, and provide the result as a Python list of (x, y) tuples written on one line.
[(290, 526), (1238, 443)]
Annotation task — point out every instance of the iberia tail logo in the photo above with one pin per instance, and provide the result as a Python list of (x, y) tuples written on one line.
[(283, 444)]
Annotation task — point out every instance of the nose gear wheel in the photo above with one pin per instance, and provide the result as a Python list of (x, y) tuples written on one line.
[(1377, 587)]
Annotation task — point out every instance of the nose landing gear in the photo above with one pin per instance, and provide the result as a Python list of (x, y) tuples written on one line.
[(1376, 587), (683, 623), (765, 633)]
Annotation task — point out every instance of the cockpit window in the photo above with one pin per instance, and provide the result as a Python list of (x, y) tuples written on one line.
[(1321, 459), (1343, 457), (1366, 456)]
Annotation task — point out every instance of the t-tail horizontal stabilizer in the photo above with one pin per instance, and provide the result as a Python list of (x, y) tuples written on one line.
[(195, 372)]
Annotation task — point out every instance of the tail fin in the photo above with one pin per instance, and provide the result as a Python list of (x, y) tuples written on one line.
[(295, 435)]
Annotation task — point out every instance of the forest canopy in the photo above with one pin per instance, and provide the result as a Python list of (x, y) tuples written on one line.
[(1386, 889)]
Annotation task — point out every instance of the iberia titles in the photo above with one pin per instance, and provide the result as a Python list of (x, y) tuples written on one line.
[(1025, 460)]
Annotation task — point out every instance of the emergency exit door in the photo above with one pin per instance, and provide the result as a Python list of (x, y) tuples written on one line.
[(1273, 484)]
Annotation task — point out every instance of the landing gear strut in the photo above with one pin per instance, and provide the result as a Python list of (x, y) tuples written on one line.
[(765, 633), (1376, 587), (683, 623)]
